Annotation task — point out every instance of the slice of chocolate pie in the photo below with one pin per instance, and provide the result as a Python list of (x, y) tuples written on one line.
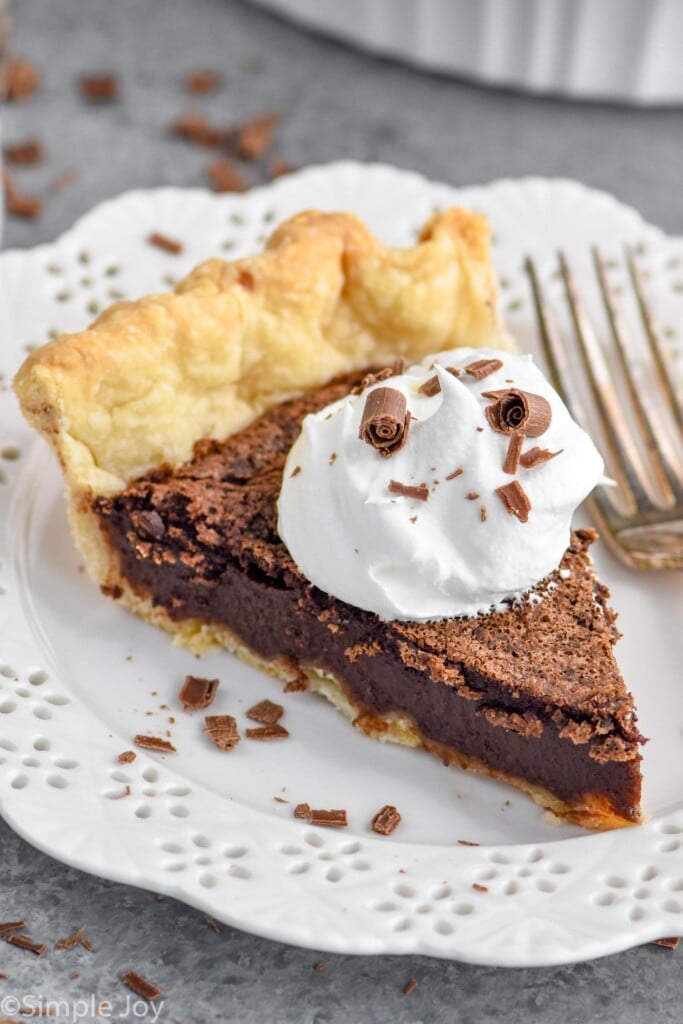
[(433, 606)]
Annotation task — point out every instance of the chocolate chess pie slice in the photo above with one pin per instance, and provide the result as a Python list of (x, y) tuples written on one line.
[(175, 417)]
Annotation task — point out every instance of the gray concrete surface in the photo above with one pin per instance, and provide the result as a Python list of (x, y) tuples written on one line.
[(338, 104)]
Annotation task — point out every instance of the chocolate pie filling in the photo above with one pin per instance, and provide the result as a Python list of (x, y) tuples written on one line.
[(532, 692)]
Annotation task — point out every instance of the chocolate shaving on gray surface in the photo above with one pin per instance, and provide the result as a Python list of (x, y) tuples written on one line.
[(21, 79), (143, 988), (24, 942), (256, 136), (160, 241), (23, 154), (99, 88), (410, 987), (203, 81), (193, 127), (197, 693), (418, 491), (331, 819), (536, 456), (668, 943), (72, 940), (11, 926), (148, 524), (483, 368), (430, 387), (456, 473), (223, 731), (154, 743), (268, 732), (223, 176), (385, 422), (512, 456), (266, 712), (386, 821), (516, 410), (515, 499)]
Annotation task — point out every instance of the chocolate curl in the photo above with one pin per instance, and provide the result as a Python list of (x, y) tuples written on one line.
[(385, 421), (518, 411)]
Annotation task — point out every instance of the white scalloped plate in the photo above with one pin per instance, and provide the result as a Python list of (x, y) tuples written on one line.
[(78, 676)]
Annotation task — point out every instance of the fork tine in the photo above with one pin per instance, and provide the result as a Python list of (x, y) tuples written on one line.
[(660, 360), (659, 451), (556, 356), (628, 462)]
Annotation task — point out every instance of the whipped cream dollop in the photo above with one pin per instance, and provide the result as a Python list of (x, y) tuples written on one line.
[(427, 523)]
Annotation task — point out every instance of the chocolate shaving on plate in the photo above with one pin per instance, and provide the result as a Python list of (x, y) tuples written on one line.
[(266, 712), (99, 88), (430, 387), (516, 410), (386, 821), (154, 743), (385, 422), (515, 499), (467, 842), (420, 491), (456, 473), (479, 888), (331, 819), (197, 693), (223, 731), (164, 242), (512, 456), (136, 983), (18, 205), (536, 456), (669, 943), (267, 732), (483, 368), (302, 811), (472, 495), (483, 513), (126, 757)]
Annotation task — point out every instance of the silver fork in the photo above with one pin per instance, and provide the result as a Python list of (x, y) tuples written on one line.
[(642, 517)]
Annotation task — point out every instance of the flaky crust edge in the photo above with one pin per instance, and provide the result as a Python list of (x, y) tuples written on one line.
[(149, 378)]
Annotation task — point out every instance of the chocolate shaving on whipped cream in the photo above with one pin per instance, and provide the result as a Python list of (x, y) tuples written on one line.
[(512, 456), (516, 410), (483, 368), (515, 499), (386, 421), (536, 456), (431, 387), (420, 491)]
